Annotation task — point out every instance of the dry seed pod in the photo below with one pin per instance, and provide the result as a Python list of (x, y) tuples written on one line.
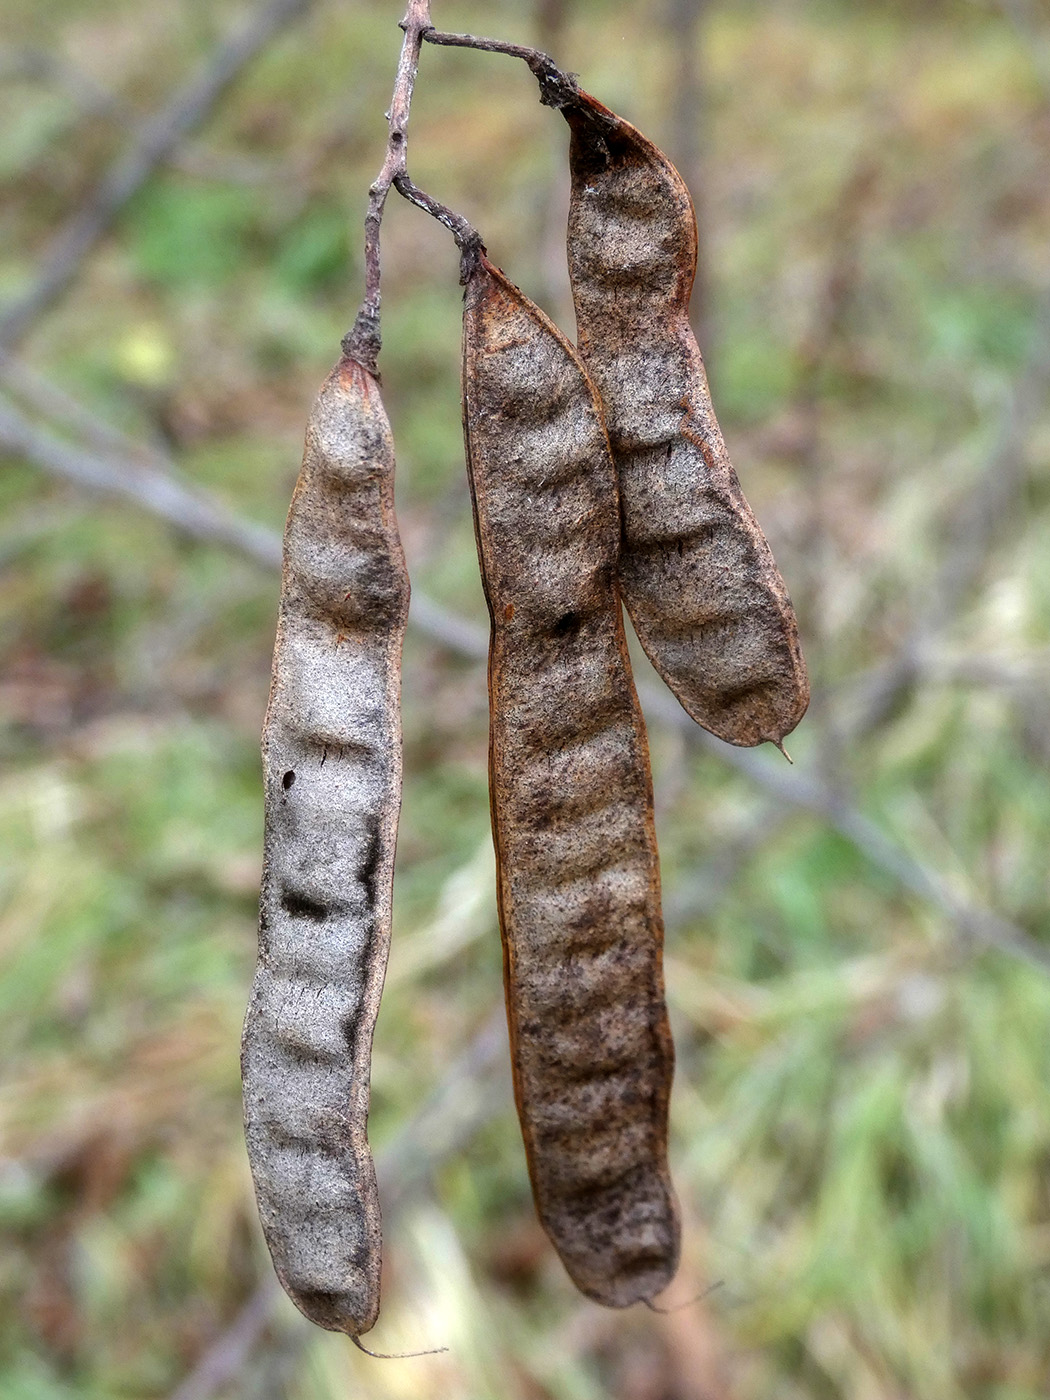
[(697, 575), (332, 768), (579, 894)]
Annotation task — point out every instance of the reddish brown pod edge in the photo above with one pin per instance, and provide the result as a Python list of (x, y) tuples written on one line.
[(332, 773), (572, 811), (697, 574)]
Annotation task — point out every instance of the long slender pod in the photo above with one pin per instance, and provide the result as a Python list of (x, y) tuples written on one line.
[(697, 574), (332, 769), (571, 792)]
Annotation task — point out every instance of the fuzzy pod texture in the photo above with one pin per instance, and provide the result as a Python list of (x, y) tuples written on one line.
[(332, 771), (572, 807), (697, 575)]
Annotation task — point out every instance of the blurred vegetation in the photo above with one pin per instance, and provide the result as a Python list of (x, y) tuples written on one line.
[(861, 1120)]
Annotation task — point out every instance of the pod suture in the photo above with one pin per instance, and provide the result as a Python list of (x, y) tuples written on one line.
[(332, 771), (571, 794), (697, 574)]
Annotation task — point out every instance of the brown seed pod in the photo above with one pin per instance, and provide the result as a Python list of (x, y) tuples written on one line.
[(572, 812), (697, 575), (332, 768)]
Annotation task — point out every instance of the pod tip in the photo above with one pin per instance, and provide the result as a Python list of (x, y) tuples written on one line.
[(779, 744), (395, 1355)]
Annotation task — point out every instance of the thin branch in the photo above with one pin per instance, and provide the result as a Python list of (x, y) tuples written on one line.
[(38, 65), (864, 835), (192, 512), (227, 1355), (468, 240), (364, 341), (199, 516), (697, 896), (155, 143), (557, 89), (53, 402)]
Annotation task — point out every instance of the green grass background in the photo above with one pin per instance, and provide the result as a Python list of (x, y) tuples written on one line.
[(861, 1116)]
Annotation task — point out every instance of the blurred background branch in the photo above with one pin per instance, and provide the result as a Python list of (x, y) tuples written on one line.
[(158, 138), (201, 518)]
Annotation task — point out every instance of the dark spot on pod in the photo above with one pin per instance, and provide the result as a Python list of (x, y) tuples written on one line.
[(566, 625), (301, 907), (324, 1308), (288, 779), (348, 1024), (370, 862)]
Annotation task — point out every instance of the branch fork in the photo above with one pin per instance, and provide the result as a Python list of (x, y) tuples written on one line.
[(557, 89)]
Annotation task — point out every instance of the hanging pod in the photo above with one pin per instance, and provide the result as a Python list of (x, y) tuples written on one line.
[(332, 770), (572, 807), (697, 575)]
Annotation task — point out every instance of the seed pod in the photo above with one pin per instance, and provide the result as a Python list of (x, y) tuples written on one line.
[(332, 768), (697, 575), (572, 810)]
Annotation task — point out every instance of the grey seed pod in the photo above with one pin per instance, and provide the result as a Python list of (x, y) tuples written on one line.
[(332, 770)]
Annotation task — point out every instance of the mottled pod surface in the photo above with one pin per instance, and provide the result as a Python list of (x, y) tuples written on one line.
[(332, 770), (697, 575), (571, 792)]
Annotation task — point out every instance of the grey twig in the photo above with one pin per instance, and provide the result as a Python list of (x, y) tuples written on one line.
[(557, 89), (880, 850), (158, 139), (226, 1356), (52, 402), (364, 341), (191, 511), (468, 240), (198, 515), (39, 65)]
